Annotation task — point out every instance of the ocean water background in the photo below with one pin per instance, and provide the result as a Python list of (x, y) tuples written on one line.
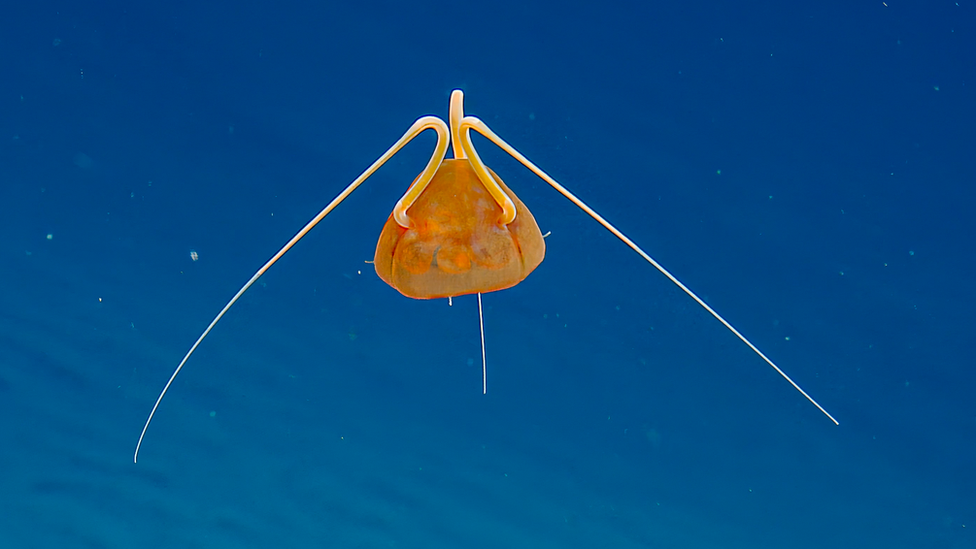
[(805, 167)]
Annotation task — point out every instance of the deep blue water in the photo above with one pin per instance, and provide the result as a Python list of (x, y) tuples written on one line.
[(807, 168)]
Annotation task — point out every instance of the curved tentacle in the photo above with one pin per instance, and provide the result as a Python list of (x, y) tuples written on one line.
[(424, 123)]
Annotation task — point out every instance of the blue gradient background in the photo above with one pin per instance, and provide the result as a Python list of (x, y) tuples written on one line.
[(805, 167)]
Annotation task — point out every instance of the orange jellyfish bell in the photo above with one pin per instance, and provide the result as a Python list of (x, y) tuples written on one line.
[(458, 229), (457, 242)]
